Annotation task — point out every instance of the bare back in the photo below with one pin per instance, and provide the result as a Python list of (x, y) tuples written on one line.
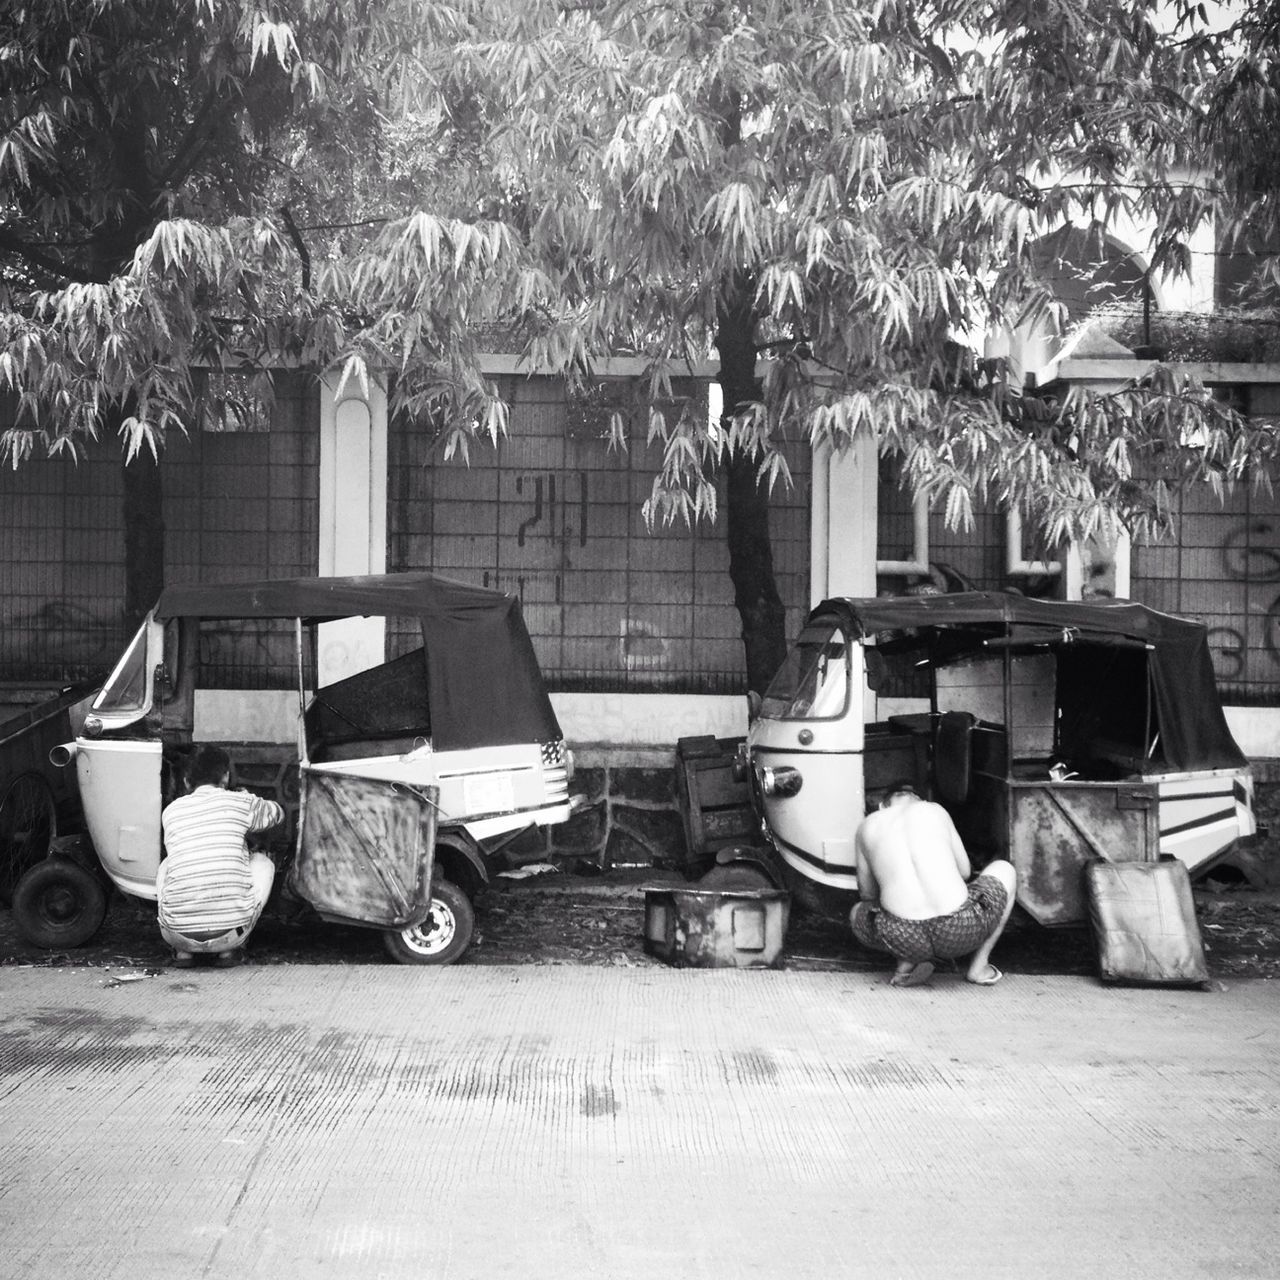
[(915, 857)]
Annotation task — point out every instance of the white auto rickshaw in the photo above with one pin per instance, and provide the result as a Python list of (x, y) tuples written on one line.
[(406, 781), (1053, 732)]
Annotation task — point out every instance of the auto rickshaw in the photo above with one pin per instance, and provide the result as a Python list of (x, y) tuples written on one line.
[(406, 782), (1052, 731)]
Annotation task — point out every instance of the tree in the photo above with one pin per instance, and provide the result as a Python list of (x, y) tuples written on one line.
[(152, 156), (837, 198), (1242, 105)]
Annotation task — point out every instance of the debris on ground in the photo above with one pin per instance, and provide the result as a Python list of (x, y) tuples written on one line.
[(566, 919), (120, 979), (528, 870)]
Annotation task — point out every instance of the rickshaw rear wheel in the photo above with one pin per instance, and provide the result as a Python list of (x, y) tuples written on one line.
[(443, 936), (59, 904)]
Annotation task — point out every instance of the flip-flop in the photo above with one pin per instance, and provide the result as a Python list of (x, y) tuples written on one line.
[(916, 977), (991, 981)]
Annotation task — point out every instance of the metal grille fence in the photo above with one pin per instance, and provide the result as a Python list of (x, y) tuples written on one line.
[(236, 504), (1223, 568), (554, 515)]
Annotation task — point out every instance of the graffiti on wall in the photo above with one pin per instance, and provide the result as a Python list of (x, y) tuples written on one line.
[(541, 490), (551, 511), (608, 603), (1250, 556), (642, 646)]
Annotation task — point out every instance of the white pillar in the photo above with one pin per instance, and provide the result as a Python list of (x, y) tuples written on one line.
[(353, 517), (844, 515), (1099, 567)]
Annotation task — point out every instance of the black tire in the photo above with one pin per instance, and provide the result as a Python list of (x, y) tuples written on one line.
[(443, 936), (28, 824), (59, 904)]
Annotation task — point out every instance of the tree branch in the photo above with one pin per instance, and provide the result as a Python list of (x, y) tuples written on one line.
[(11, 243), (296, 236), (187, 153)]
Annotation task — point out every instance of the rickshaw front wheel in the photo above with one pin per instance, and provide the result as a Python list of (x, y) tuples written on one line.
[(443, 936)]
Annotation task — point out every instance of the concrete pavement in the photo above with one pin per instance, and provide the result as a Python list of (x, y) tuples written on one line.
[(530, 1121)]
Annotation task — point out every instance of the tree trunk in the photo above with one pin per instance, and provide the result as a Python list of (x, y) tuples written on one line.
[(143, 537), (755, 589), (142, 512)]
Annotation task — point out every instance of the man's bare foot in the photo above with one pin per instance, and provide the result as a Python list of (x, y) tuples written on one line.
[(912, 976), (987, 976)]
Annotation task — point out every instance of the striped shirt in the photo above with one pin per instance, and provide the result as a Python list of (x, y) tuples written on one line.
[(207, 886)]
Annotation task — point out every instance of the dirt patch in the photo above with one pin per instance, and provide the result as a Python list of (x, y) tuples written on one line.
[(567, 919), (1241, 931)]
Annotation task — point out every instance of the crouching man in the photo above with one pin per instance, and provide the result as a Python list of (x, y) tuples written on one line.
[(211, 888), (915, 902)]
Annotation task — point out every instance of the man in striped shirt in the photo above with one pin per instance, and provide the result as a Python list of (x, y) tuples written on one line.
[(211, 888)]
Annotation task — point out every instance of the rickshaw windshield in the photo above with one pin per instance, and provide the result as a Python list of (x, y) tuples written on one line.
[(126, 687), (813, 682)]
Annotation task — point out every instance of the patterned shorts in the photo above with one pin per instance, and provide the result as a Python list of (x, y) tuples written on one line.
[(940, 937)]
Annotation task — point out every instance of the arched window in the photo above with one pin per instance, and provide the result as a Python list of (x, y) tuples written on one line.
[(1087, 268)]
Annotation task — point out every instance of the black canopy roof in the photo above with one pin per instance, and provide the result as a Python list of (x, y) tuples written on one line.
[(1188, 710), (325, 599), (483, 680)]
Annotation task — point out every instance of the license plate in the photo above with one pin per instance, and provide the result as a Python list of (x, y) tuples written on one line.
[(489, 793)]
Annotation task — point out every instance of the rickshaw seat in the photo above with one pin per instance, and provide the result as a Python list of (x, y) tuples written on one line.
[(953, 757)]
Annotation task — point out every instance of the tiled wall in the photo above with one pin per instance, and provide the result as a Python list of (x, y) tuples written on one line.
[(1222, 567), (554, 514), (236, 505)]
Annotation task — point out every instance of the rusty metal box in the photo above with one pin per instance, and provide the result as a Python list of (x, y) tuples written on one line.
[(716, 929), (715, 805)]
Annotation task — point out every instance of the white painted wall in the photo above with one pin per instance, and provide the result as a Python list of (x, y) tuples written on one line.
[(842, 521), (1256, 731), (647, 719), (622, 719)]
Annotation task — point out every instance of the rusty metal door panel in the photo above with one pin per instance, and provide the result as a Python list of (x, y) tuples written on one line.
[(1057, 827), (366, 849)]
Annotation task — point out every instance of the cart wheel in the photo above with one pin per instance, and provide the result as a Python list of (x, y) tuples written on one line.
[(59, 904), (443, 936), (28, 823)]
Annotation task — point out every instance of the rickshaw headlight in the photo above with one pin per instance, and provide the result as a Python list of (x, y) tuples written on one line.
[(782, 781), (92, 727)]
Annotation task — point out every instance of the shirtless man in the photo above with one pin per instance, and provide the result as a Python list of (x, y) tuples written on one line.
[(915, 903)]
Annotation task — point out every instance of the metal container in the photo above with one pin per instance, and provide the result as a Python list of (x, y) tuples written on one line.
[(716, 928)]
